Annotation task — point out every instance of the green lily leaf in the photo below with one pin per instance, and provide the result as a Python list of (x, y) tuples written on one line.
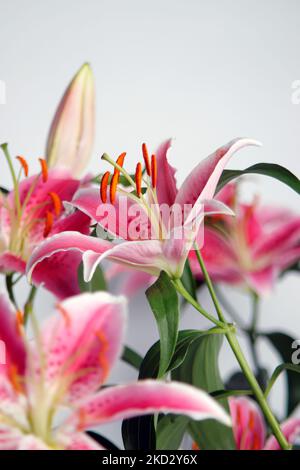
[(267, 169), (131, 357), (283, 344), (170, 431), (134, 427), (279, 369), (200, 368), (163, 300), (139, 433), (188, 280)]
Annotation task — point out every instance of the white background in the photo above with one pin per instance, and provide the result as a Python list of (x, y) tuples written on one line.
[(203, 72)]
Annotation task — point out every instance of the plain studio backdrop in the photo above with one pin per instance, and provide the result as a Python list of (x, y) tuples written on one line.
[(202, 72)]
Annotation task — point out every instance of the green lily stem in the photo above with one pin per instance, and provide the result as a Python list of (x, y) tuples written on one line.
[(252, 332), (10, 289), (28, 307), (186, 295), (209, 284), (14, 177), (237, 351)]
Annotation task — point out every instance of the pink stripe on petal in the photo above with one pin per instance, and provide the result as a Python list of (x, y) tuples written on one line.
[(248, 424), (149, 396), (65, 241), (115, 218), (201, 183), (84, 340), (284, 237), (166, 182), (291, 430), (144, 255), (9, 438), (31, 442), (15, 353), (79, 441), (12, 263), (262, 282)]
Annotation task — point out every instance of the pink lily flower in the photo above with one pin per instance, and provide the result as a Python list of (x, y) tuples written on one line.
[(71, 134), (49, 389), (254, 247), (170, 245), (30, 213), (250, 430)]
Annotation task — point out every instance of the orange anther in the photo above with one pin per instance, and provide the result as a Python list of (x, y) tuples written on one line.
[(44, 168), (48, 223), (56, 202), (138, 179), (14, 378), (103, 186), (153, 171), (146, 159), (113, 187), (102, 354), (120, 160), (24, 164), (19, 321)]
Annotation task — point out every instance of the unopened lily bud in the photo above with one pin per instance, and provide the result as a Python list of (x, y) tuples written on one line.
[(71, 133)]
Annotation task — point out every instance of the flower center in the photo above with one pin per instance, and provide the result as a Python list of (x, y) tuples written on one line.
[(23, 215), (142, 188)]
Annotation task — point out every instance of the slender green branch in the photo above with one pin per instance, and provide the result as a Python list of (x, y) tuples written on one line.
[(13, 175), (252, 331), (220, 394), (28, 307), (281, 368), (237, 351), (209, 284), (181, 289), (10, 289), (132, 358)]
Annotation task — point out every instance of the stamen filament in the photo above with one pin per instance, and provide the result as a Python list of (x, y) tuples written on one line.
[(14, 178), (108, 159)]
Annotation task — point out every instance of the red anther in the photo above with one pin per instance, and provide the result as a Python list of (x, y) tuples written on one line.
[(103, 187), (44, 168), (146, 159), (153, 171), (113, 187), (24, 164), (138, 179), (57, 204), (48, 223)]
